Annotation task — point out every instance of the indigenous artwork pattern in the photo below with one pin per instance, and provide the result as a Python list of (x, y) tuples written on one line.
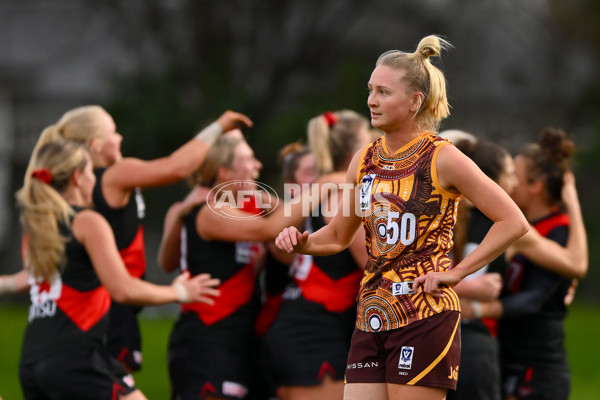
[(408, 219)]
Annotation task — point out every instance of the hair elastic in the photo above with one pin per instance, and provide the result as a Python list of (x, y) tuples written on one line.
[(43, 175), (330, 118)]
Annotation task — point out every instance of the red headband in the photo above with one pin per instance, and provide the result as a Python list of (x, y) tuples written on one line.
[(43, 175), (330, 118)]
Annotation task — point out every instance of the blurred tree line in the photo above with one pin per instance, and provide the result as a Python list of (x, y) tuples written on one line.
[(516, 67)]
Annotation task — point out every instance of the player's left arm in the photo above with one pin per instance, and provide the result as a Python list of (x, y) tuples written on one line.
[(459, 174)]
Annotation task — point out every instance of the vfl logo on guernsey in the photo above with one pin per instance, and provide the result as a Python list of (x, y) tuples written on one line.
[(365, 191), (406, 357)]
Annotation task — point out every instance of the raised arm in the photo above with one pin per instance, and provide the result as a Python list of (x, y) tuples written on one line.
[(570, 261), (129, 173), (456, 172), (94, 232)]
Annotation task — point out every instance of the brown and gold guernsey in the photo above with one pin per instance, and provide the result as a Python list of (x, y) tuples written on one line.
[(408, 219)]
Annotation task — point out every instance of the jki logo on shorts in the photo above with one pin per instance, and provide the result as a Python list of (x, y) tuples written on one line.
[(453, 373), (406, 357)]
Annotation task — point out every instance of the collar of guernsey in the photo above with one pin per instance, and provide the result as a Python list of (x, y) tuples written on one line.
[(408, 219)]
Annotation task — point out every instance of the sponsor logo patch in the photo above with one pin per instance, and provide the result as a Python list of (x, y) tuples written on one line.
[(234, 389), (128, 379), (453, 373), (400, 288), (292, 293), (246, 252), (141, 206), (375, 323), (137, 356), (43, 297), (372, 364)]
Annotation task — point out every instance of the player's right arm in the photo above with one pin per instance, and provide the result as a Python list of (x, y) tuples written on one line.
[(334, 237)]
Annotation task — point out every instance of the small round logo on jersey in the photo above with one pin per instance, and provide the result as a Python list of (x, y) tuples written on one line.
[(375, 323), (243, 199), (382, 230)]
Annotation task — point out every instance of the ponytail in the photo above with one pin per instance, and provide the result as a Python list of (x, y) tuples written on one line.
[(319, 134), (333, 138), (436, 101), (80, 125), (43, 207)]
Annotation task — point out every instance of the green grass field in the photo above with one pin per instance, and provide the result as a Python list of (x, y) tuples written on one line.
[(583, 334)]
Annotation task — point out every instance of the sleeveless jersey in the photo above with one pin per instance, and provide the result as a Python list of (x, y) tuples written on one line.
[(331, 281), (232, 262), (478, 227), (70, 311), (126, 223), (408, 219), (532, 326)]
